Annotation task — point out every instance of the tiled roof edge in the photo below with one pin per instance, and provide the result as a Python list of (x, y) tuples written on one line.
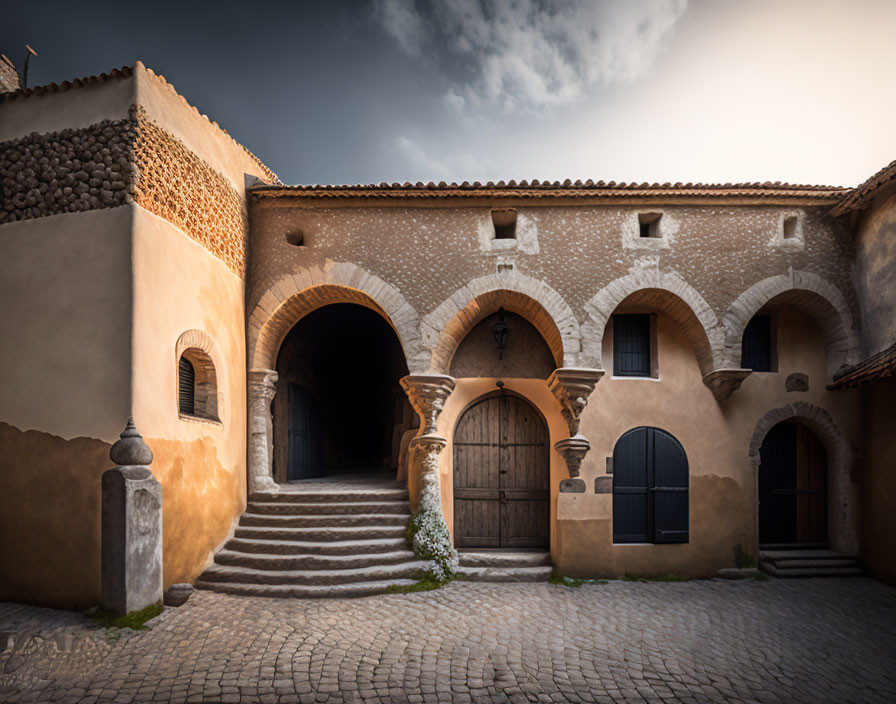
[(864, 193), (877, 366)]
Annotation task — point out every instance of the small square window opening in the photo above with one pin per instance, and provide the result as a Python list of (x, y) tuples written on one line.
[(504, 220), (649, 224), (790, 227)]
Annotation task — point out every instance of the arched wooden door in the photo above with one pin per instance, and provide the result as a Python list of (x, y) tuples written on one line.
[(501, 475), (792, 486)]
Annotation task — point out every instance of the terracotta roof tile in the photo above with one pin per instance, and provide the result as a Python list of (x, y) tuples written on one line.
[(556, 189), (863, 194), (876, 367)]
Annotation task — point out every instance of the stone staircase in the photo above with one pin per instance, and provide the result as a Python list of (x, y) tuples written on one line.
[(802, 562), (498, 565), (318, 539)]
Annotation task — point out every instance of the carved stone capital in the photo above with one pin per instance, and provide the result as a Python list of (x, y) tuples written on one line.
[(724, 382), (572, 386), (573, 450), (431, 444), (262, 384), (427, 394)]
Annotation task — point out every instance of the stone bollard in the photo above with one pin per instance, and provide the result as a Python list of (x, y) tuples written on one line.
[(132, 527)]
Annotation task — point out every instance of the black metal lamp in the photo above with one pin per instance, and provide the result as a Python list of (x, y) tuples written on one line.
[(500, 330)]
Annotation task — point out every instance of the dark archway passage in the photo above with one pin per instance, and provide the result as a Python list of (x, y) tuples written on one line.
[(339, 406), (792, 487), (501, 475)]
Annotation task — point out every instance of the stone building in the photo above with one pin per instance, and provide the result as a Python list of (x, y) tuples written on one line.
[(594, 378)]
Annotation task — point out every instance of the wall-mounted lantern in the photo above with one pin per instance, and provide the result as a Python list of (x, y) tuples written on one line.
[(500, 330)]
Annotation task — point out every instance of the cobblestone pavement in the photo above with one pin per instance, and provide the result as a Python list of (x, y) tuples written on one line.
[(831, 640)]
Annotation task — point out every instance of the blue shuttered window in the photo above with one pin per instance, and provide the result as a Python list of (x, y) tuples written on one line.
[(631, 345), (756, 346), (650, 488)]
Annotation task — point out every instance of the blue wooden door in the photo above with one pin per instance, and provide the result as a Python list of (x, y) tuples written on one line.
[(306, 457)]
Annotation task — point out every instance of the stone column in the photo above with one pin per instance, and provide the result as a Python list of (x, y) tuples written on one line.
[(431, 542), (571, 387), (131, 528), (262, 387)]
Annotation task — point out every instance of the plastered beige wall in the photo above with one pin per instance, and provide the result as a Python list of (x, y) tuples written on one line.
[(874, 274), (716, 438), (74, 108), (179, 286)]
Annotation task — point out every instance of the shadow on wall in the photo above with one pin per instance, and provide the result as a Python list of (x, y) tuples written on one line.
[(50, 506)]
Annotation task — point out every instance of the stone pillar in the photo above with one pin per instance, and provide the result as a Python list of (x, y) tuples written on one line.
[(131, 528), (571, 387), (431, 542), (262, 387)]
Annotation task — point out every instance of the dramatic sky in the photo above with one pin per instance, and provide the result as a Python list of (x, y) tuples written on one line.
[(396, 90)]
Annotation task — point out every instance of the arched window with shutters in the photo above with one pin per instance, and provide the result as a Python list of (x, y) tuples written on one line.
[(186, 386), (197, 386), (650, 488)]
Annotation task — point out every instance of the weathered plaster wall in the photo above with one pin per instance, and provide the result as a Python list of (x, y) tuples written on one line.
[(879, 481), (65, 358), (716, 438), (874, 274), (179, 286)]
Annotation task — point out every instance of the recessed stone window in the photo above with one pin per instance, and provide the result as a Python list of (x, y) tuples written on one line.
[(790, 223), (649, 225), (296, 238), (504, 221), (197, 385)]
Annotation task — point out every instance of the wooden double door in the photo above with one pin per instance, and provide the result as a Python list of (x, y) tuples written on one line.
[(501, 475), (792, 486)]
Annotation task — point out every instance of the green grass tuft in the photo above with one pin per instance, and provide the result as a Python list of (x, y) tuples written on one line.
[(136, 620), (424, 585), (655, 578), (744, 558), (572, 581)]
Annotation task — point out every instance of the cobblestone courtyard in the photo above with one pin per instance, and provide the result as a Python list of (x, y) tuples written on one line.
[(828, 640)]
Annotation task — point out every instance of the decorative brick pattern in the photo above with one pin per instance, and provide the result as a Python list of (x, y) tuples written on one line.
[(116, 162), (175, 184)]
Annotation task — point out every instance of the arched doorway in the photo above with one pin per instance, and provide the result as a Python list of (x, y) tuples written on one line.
[(501, 475), (792, 487), (339, 408)]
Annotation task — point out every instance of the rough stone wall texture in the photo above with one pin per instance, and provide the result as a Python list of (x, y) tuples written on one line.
[(120, 161), (429, 253), (9, 77), (874, 274)]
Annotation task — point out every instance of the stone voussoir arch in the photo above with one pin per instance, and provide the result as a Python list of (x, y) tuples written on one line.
[(817, 297), (840, 462), (646, 277), (444, 328), (295, 295)]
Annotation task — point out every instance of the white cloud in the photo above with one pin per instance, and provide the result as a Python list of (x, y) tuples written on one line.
[(417, 161), (534, 54)]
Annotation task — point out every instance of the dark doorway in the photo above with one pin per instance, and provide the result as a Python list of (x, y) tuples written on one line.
[(792, 487), (339, 407), (501, 475)]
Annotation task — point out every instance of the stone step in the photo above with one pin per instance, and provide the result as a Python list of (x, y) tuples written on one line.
[(319, 534), (363, 519), (816, 563), (309, 547), (822, 554), (290, 591), (312, 562), (248, 575), (810, 571), (334, 495), (328, 508), (502, 558), (505, 574)]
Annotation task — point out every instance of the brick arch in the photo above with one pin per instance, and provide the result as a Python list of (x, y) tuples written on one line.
[(807, 292), (445, 328), (840, 464), (648, 287), (294, 296)]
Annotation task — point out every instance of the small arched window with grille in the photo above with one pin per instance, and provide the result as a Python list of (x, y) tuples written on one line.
[(186, 383)]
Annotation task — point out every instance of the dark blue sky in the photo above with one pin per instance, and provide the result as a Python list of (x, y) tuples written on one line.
[(330, 92)]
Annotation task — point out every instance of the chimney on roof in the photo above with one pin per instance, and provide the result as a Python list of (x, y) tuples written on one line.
[(9, 77)]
